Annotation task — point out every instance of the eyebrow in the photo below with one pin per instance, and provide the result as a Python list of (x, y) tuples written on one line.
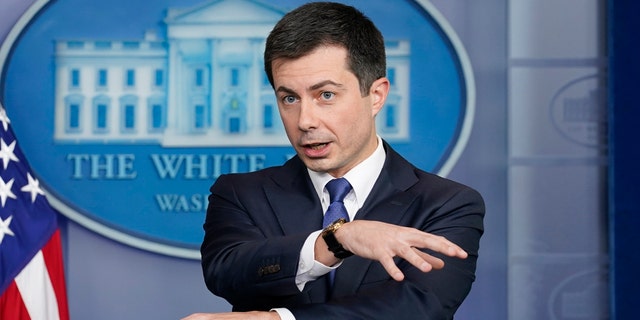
[(324, 83), (285, 90), (313, 87)]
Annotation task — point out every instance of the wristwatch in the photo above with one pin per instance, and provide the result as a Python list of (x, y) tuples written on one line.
[(328, 234)]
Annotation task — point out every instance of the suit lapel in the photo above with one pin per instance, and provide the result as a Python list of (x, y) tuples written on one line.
[(291, 195)]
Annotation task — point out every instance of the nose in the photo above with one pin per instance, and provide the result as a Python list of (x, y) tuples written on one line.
[(307, 119)]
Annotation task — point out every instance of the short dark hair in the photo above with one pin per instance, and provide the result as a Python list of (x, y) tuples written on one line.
[(315, 24)]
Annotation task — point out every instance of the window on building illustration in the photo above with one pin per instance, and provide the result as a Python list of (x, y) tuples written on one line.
[(234, 125), (199, 77), (268, 116), (235, 77), (157, 114), (392, 44), (128, 106), (73, 114), (102, 78), (75, 44), (130, 78), (129, 117), (199, 116), (102, 112), (130, 45), (391, 75), (75, 78), (158, 78), (390, 116), (103, 45)]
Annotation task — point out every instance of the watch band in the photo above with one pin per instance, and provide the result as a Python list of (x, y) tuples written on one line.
[(328, 234)]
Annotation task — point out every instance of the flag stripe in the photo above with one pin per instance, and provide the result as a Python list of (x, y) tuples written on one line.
[(36, 290), (52, 252), (11, 304), (31, 270)]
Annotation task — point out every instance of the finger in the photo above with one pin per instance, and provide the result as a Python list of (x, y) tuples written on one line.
[(454, 250), (442, 245), (390, 266), (435, 262), (411, 255)]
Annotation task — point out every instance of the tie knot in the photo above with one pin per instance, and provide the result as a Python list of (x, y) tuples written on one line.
[(338, 189)]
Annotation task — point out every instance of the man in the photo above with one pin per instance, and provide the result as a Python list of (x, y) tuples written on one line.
[(265, 250)]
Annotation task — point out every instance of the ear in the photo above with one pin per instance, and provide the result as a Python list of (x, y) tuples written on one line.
[(378, 93)]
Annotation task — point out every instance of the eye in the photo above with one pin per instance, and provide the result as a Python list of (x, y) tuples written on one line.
[(289, 99), (327, 95)]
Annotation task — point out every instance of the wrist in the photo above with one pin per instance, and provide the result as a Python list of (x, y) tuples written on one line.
[(274, 315), (333, 245)]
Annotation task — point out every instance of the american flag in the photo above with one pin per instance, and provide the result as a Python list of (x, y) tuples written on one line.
[(31, 270)]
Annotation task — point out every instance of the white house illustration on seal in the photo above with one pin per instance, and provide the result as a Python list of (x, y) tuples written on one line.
[(201, 85)]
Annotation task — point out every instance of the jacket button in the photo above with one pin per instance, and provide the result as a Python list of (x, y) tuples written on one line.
[(268, 269)]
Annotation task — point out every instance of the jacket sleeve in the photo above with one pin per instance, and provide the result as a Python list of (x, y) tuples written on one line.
[(249, 266)]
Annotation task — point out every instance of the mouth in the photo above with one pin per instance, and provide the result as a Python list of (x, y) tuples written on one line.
[(316, 150), (316, 146)]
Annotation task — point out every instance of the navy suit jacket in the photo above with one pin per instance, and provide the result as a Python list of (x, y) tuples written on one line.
[(257, 223)]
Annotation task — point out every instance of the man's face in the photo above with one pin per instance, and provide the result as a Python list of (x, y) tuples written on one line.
[(329, 123)]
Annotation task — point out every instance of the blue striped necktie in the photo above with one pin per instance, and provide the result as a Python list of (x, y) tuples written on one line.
[(338, 189)]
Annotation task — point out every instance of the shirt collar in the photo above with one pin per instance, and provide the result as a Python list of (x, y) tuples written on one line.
[(362, 177)]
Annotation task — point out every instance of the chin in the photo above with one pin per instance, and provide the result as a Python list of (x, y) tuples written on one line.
[(318, 165)]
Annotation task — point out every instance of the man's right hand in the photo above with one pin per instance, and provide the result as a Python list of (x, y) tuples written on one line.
[(381, 241)]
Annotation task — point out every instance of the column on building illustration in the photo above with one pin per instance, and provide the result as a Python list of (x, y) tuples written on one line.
[(234, 62), (194, 86)]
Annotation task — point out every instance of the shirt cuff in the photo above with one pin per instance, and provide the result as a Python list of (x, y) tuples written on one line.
[(308, 268), (284, 314)]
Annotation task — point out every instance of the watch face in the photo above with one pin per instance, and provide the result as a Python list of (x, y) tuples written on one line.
[(338, 223), (334, 226)]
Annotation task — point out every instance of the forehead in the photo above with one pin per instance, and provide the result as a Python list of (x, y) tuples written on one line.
[(325, 62)]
